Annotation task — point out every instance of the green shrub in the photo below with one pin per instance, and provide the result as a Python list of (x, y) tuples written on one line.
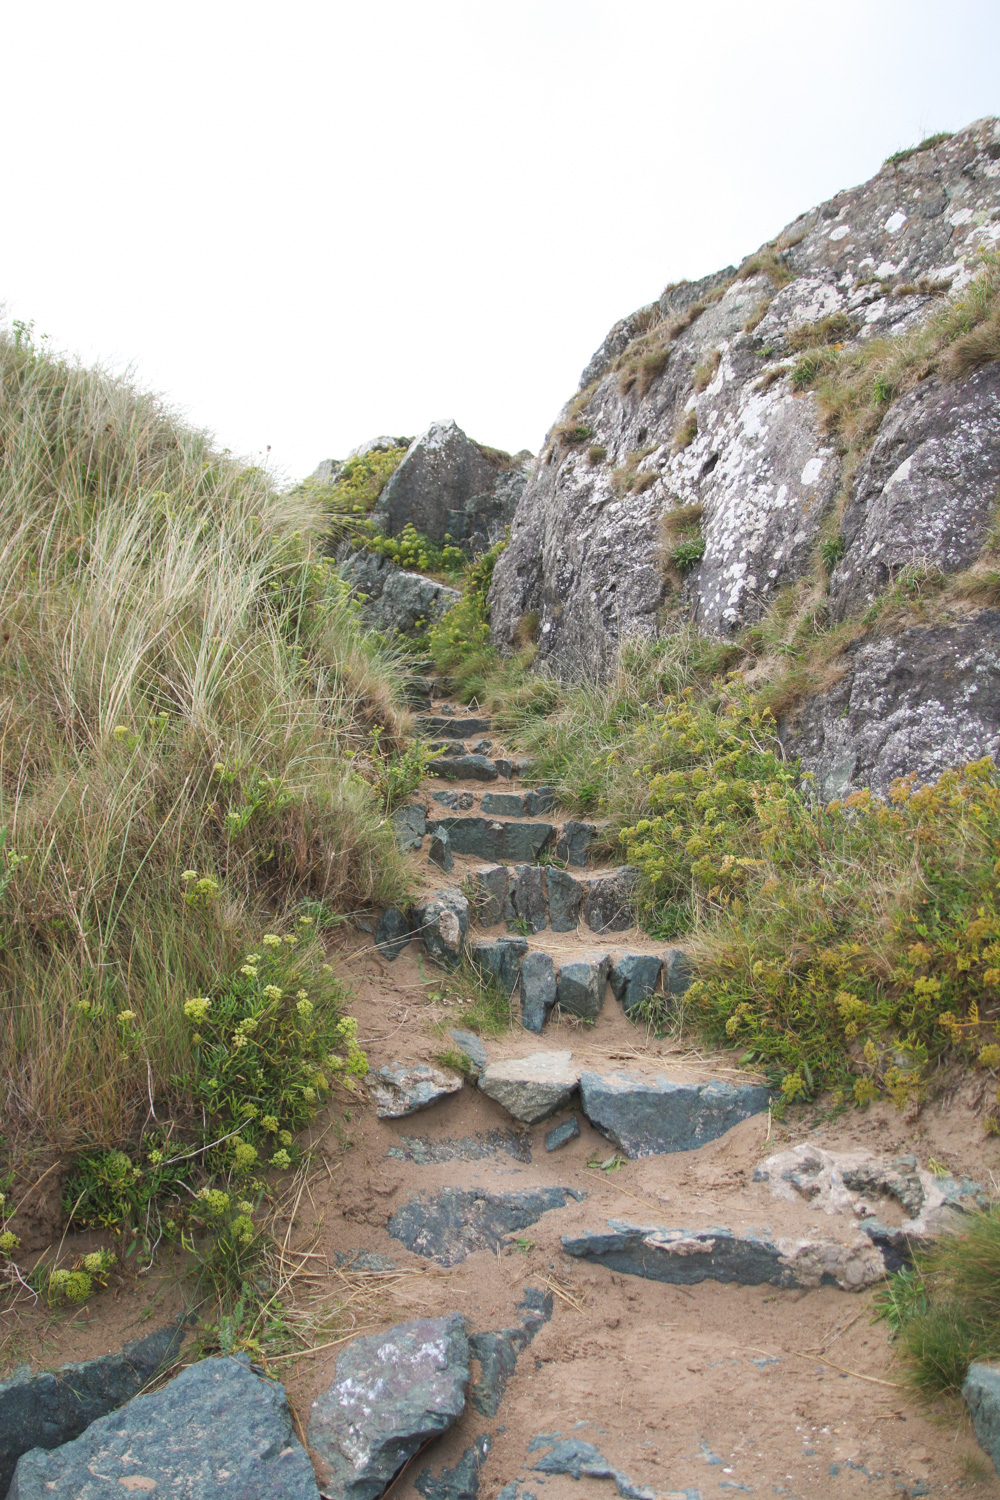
[(411, 550), (349, 497)]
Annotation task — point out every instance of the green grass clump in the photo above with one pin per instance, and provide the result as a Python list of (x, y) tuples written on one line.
[(184, 686), (898, 157), (945, 1312)]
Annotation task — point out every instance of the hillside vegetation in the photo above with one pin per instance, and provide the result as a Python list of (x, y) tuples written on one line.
[(197, 747)]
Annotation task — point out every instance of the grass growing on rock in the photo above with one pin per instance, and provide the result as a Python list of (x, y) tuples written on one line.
[(193, 732)]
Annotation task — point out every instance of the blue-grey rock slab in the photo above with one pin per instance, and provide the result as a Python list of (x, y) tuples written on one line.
[(465, 768), (538, 989), (633, 979), (442, 924), (497, 1352), (400, 1089), (460, 1482), (677, 972), (473, 1048), (653, 1115), (446, 1227), (503, 804), (540, 801), (439, 852), (981, 1390), (526, 897), (565, 898), (410, 824), (44, 1409), (580, 1460), (215, 1432), (499, 960), (481, 747), (522, 843), (485, 1145), (581, 986), (465, 800), (687, 1256), (532, 1088), (454, 728), (609, 904), (473, 835), (561, 1135), (393, 932), (574, 841), (490, 883), (447, 798), (392, 1392), (505, 767)]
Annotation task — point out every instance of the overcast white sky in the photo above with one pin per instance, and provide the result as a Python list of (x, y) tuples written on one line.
[(308, 223)]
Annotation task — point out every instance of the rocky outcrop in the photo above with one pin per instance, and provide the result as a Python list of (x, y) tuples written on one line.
[(393, 600), (687, 471), (449, 486)]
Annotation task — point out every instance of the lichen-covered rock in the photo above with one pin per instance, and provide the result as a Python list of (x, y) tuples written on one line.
[(531, 1088), (215, 1432), (402, 1088), (982, 1396), (448, 486), (446, 1227), (915, 702), (45, 1409), (609, 902), (395, 600), (442, 922), (392, 1392), (744, 457)]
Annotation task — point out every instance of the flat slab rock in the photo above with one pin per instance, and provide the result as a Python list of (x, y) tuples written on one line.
[(531, 1088), (650, 1116), (446, 1227), (43, 1410), (401, 1089), (216, 1432), (392, 1392), (685, 1257)]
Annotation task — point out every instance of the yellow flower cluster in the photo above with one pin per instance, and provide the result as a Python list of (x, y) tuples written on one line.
[(197, 1009)]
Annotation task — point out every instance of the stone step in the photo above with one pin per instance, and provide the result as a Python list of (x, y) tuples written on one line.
[(537, 897), (463, 767), (442, 726), (516, 840)]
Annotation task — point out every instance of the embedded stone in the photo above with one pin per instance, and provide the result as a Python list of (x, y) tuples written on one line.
[(574, 842), (581, 985), (677, 973), (392, 1392), (442, 922), (531, 1088), (526, 897), (653, 1115), (540, 801), (538, 989), (565, 898), (446, 1227), (633, 979), (447, 798), (499, 959), (439, 852), (981, 1390), (454, 729), (473, 1048), (462, 767), (503, 804), (393, 932), (410, 825), (402, 1088), (561, 1135), (490, 882), (609, 904)]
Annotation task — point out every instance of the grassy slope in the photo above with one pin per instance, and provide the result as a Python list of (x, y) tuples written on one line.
[(183, 687)]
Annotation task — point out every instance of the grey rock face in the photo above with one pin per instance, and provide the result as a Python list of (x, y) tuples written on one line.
[(446, 486), (393, 1391), (686, 1257), (584, 549), (982, 1396), (532, 1088), (538, 990), (503, 804), (574, 842), (410, 824), (565, 899), (917, 702), (446, 1227), (609, 905), (402, 1088), (677, 973), (633, 978), (651, 1116), (581, 985), (451, 728), (216, 1432), (516, 843), (925, 493), (395, 601), (442, 922), (46, 1409), (392, 932), (500, 960)]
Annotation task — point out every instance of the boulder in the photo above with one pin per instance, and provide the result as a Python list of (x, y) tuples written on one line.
[(393, 600), (215, 1432), (393, 1391), (540, 801), (410, 825), (677, 973), (982, 1396), (522, 843), (538, 990), (609, 904), (402, 1088), (633, 979), (500, 960), (45, 1409), (531, 1088), (650, 1116), (687, 1256), (393, 932), (448, 727), (446, 1227), (581, 985), (448, 486), (442, 922)]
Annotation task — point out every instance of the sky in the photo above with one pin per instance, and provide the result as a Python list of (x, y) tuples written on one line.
[(310, 223)]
